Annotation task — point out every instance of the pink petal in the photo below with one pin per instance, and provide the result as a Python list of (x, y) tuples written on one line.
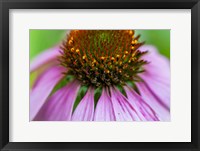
[(123, 110), (157, 62), (157, 74), (162, 112), (104, 110), (85, 109), (160, 89), (46, 57), (43, 87), (143, 110), (59, 106)]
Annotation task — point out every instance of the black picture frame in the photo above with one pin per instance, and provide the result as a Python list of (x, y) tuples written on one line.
[(5, 5)]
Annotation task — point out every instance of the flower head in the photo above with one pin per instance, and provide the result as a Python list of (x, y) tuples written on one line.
[(103, 57), (106, 75)]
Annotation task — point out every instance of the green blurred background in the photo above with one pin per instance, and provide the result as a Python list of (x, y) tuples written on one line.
[(41, 40)]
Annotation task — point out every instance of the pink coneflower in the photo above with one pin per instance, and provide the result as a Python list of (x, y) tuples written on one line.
[(101, 75)]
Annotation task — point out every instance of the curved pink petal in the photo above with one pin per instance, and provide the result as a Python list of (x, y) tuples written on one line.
[(123, 110), (157, 74), (143, 110), (45, 57), (85, 109), (162, 111), (59, 106), (104, 110), (43, 87), (158, 66), (160, 89)]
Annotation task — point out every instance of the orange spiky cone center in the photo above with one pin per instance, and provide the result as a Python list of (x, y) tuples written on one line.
[(102, 57)]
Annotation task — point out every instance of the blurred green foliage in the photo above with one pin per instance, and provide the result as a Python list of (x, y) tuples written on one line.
[(158, 38), (41, 40)]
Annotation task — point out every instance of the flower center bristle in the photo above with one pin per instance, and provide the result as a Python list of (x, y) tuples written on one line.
[(102, 57)]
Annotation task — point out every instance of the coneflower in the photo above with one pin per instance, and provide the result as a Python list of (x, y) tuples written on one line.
[(101, 75)]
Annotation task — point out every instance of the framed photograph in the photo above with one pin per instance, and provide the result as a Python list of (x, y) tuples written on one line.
[(99, 75)]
